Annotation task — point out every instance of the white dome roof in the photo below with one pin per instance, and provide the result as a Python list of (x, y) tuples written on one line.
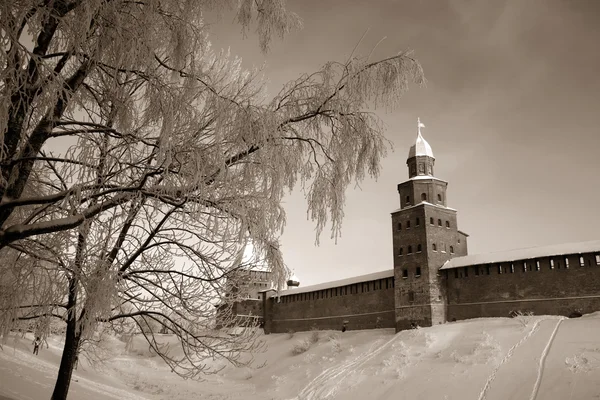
[(420, 148)]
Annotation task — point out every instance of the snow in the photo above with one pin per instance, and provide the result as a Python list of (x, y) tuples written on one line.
[(420, 148), (524, 254), (342, 282), (424, 203), (528, 357), (421, 177)]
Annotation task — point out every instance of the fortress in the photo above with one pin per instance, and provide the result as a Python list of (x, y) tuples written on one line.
[(433, 279)]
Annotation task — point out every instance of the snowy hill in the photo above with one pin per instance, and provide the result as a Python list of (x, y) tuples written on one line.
[(541, 357)]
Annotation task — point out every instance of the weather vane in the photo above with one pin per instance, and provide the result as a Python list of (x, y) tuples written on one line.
[(419, 125)]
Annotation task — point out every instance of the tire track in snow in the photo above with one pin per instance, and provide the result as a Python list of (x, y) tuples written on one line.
[(317, 388), (542, 362), (486, 387), (312, 389)]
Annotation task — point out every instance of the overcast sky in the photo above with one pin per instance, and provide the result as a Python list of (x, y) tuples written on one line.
[(511, 110)]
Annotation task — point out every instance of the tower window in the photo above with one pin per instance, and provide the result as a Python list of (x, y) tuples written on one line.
[(524, 266), (566, 262), (597, 259), (537, 265), (409, 249), (487, 269), (439, 197), (499, 269), (456, 272), (418, 248), (581, 261), (512, 268), (439, 222), (401, 251), (407, 199), (447, 224), (466, 272), (476, 268), (434, 246), (418, 272), (407, 224), (431, 221), (443, 247), (451, 249), (418, 222), (551, 263), (404, 273), (399, 226), (424, 196)]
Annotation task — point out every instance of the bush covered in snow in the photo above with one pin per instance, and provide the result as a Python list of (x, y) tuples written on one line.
[(301, 347)]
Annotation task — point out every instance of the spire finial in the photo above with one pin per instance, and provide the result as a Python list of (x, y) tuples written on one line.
[(419, 125)]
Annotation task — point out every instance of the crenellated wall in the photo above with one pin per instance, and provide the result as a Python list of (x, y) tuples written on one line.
[(364, 305), (532, 285)]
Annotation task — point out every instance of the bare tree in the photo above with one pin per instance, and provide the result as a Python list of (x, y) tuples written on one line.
[(176, 158)]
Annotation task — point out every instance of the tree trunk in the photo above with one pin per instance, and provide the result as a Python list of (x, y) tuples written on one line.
[(67, 362)]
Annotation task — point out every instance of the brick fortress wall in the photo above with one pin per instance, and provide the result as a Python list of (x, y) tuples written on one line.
[(364, 305), (546, 287)]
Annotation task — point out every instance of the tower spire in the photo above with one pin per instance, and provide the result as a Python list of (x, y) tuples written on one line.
[(419, 126)]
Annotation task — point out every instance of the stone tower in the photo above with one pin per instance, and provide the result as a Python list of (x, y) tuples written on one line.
[(425, 235)]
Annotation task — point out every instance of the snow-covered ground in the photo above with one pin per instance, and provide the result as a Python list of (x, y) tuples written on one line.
[(541, 357)]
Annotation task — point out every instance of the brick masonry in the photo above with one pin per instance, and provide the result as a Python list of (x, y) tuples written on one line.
[(365, 305), (557, 291)]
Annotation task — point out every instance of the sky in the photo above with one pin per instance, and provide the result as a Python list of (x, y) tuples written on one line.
[(510, 107)]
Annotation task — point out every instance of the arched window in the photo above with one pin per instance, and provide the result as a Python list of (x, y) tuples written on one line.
[(399, 226), (451, 249), (447, 224), (407, 199), (409, 249), (401, 251), (434, 246), (418, 222), (431, 221), (418, 248), (439, 197), (424, 196), (404, 273), (418, 272), (439, 222)]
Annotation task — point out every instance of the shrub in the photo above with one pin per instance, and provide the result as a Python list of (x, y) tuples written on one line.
[(335, 345), (522, 317), (290, 333), (575, 314), (301, 347), (314, 335)]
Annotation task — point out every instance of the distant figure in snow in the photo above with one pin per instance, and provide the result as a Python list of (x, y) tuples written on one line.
[(344, 327), (36, 345)]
